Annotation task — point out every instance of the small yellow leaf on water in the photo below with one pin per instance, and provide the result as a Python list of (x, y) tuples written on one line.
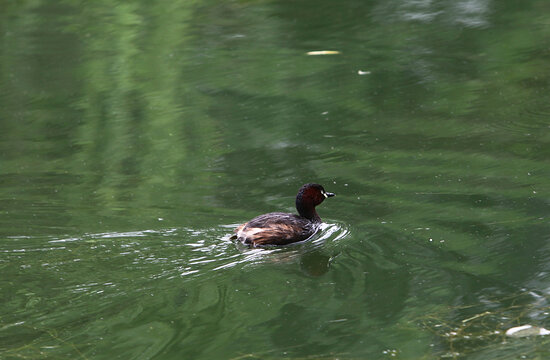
[(323, 52)]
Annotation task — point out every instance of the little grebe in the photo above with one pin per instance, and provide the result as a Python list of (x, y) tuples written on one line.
[(279, 228)]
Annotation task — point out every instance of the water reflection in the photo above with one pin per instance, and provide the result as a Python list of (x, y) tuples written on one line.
[(174, 120), (315, 263), (468, 13)]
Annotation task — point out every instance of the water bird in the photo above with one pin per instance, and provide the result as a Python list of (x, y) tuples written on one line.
[(278, 228)]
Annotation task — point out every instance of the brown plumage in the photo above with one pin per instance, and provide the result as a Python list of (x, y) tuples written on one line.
[(279, 228)]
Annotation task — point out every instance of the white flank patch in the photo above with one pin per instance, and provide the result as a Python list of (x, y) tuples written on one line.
[(249, 231)]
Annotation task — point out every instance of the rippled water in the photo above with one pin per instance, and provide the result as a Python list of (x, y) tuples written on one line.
[(135, 137), (162, 282)]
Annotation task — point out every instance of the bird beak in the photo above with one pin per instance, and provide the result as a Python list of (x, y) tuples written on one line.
[(327, 194)]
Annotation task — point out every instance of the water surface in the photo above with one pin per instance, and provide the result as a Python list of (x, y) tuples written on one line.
[(135, 137)]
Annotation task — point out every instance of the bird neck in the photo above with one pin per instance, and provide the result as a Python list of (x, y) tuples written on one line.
[(307, 211)]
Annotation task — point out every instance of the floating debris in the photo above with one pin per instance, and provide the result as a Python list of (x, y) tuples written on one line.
[(526, 330), (323, 52), (475, 316), (361, 72)]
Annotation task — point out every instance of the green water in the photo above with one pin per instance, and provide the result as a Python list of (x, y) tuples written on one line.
[(135, 135)]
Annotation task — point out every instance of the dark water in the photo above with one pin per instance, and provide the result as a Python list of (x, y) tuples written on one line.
[(134, 136)]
